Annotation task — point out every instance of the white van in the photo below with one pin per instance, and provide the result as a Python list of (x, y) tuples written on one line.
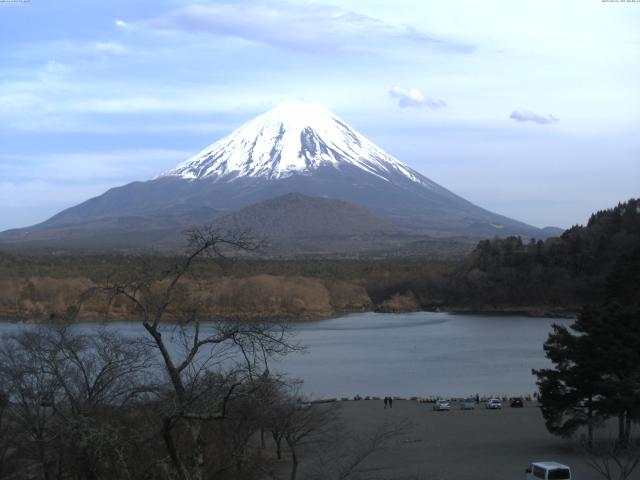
[(548, 471)]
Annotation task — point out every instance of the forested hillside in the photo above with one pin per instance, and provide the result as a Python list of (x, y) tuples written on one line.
[(559, 274), (567, 271)]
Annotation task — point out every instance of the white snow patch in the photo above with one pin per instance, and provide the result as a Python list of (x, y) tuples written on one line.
[(292, 138)]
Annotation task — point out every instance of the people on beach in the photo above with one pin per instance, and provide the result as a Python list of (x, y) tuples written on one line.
[(390, 402), (386, 402)]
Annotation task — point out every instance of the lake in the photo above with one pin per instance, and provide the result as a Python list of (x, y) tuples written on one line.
[(421, 354)]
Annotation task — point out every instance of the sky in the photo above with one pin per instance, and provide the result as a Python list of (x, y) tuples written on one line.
[(528, 109)]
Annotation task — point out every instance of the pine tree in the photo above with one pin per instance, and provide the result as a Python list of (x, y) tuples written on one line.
[(596, 372), (569, 393)]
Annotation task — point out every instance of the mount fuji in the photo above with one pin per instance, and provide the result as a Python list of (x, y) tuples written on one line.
[(293, 148), (293, 138)]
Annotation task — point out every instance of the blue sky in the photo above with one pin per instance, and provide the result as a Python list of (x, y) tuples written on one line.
[(529, 109)]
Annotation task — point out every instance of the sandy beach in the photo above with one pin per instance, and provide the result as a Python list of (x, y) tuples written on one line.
[(463, 445)]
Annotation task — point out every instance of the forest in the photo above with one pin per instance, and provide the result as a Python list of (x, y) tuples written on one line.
[(555, 276)]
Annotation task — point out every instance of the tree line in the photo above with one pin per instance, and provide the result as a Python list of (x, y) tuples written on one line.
[(564, 272)]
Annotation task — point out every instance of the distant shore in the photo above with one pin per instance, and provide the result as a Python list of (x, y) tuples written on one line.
[(540, 312), (534, 312)]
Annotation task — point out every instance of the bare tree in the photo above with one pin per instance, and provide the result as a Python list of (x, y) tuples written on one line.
[(65, 392), (99, 376), (104, 368), (5, 434), (307, 425), (613, 460), (188, 400), (29, 392), (344, 456), (195, 397)]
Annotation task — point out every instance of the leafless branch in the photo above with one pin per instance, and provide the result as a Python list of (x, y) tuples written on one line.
[(611, 460)]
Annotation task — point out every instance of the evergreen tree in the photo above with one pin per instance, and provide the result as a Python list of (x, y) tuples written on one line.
[(596, 372), (569, 393)]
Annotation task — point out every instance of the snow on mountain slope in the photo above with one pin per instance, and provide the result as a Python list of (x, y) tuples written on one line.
[(294, 148), (292, 138)]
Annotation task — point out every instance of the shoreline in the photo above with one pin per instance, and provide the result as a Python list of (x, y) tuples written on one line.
[(532, 312)]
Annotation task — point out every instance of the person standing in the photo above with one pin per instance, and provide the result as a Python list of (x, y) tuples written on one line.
[(386, 402), (390, 402)]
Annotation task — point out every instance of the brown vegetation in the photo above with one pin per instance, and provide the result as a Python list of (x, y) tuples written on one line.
[(41, 298), (39, 288), (559, 274), (399, 303)]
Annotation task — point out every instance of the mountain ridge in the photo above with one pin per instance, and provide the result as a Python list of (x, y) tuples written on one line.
[(297, 215), (291, 148)]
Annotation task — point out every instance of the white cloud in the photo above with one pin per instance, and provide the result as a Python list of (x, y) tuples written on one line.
[(529, 116), (121, 23), (412, 97), (312, 28), (110, 47)]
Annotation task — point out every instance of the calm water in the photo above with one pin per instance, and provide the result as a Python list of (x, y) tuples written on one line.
[(420, 354)]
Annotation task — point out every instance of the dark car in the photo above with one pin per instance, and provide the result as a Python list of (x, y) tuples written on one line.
[(516, 403)]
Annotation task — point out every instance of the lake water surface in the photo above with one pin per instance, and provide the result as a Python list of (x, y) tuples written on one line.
[(421, 354)]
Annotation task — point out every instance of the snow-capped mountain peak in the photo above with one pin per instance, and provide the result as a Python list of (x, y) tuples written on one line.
[(292, 138)]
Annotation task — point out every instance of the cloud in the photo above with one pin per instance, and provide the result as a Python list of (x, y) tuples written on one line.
[(110, 47), (310, 28), (529, 116), (121, 23), (412, 97)]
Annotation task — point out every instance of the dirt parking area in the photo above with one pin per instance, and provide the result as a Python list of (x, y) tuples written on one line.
[(462, 444)]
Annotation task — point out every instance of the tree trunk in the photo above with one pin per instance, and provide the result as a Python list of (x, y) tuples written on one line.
[(59, 464), (621, 425), (240, 462), (198, 454), (294, 462), (43, 459), (627, 431), (278, 441), (590, 424), (167, 436), (174, 374)]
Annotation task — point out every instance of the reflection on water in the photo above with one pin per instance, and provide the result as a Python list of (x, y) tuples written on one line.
[(420, 354)]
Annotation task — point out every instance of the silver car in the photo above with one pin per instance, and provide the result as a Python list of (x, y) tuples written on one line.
[(441, 405), (494, 404)]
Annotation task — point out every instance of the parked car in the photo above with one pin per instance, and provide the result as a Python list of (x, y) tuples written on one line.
[(468, 403), (494, 404), (516, 403), (441, 405), (548, 471)]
